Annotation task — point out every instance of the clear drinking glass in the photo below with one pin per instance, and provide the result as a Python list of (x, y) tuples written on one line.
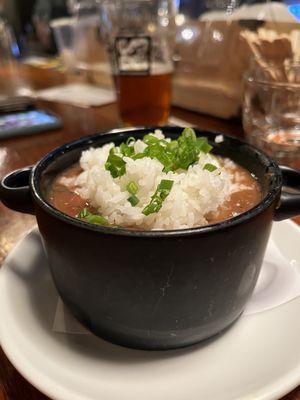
[(89, 50), (63, 31), (8, 45), (271, 112), (139, 35)]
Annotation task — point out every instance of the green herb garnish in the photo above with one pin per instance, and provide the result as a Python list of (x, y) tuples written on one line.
[(115, 164), (161, 193), (132, 188), (150, 139), (86, 215), (138, 156), (203, 145), (210, 167), (159, 152), (180, 153), (133, 200), (131, 139), (126, 150), (172, 146), (173, 155), (187, 151), (188, 135)]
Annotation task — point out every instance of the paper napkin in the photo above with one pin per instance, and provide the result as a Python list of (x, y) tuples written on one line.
[(79, 94)]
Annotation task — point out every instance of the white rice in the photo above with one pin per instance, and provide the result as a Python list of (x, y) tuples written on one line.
[(195, 192)]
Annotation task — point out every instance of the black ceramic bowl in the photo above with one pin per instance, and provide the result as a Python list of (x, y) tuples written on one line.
[(154, 289)]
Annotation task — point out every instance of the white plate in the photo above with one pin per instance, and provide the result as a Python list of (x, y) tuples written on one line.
[(257, 358)]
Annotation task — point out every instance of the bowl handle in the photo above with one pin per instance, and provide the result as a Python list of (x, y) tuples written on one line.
[(15, 191), (289, 205)]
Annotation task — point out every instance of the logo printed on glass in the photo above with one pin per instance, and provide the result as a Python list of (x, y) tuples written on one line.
[(133, 54)]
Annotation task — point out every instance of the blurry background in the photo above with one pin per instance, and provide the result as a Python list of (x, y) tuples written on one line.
[(214, 43), (30, 19)]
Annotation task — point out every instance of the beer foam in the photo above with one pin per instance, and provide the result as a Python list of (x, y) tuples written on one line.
[(155, 68), (161, 68)]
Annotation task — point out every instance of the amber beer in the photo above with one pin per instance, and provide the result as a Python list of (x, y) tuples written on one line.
[(144, 100), (140, 45)]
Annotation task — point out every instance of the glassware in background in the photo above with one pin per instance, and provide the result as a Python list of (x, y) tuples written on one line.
[(89, 49), (139, 35), (63, 31), (271, 111), (80, 46), (13, 84), (212, 56), (9, 48)]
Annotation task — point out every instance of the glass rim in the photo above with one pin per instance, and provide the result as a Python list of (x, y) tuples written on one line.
[(248, 76)]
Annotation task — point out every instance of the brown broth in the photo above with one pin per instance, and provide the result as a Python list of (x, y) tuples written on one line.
[(240, 201), (65, 198), (69, 202)]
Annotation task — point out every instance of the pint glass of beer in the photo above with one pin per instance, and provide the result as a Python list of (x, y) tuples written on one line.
[(139, 35)]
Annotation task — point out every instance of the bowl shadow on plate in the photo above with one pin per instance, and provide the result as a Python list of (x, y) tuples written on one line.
[(96, 348), (43, 301)]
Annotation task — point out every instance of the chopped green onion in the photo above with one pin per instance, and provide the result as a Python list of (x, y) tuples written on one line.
[(188, 134), (115, 165), (210, 167), (203, 145), (83, 213), (157, 151), (161, 193), (180, 153), (172, 146), (150, 139), (163, 142), (130, 140), (126, 150), (138, 156), (187, 152), (92, 218), (97, 220), (185, 156), (132, 188), (133, 200), (165, 184)]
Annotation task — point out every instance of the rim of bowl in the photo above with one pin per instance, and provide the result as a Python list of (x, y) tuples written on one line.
[(120, 231)]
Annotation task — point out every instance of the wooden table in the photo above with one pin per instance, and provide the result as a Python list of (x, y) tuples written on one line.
[(22, 151)]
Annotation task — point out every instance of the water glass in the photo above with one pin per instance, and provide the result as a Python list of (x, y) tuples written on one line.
[(271, 112)]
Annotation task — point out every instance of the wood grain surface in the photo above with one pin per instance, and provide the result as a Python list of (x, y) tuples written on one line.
[(27, 150)]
